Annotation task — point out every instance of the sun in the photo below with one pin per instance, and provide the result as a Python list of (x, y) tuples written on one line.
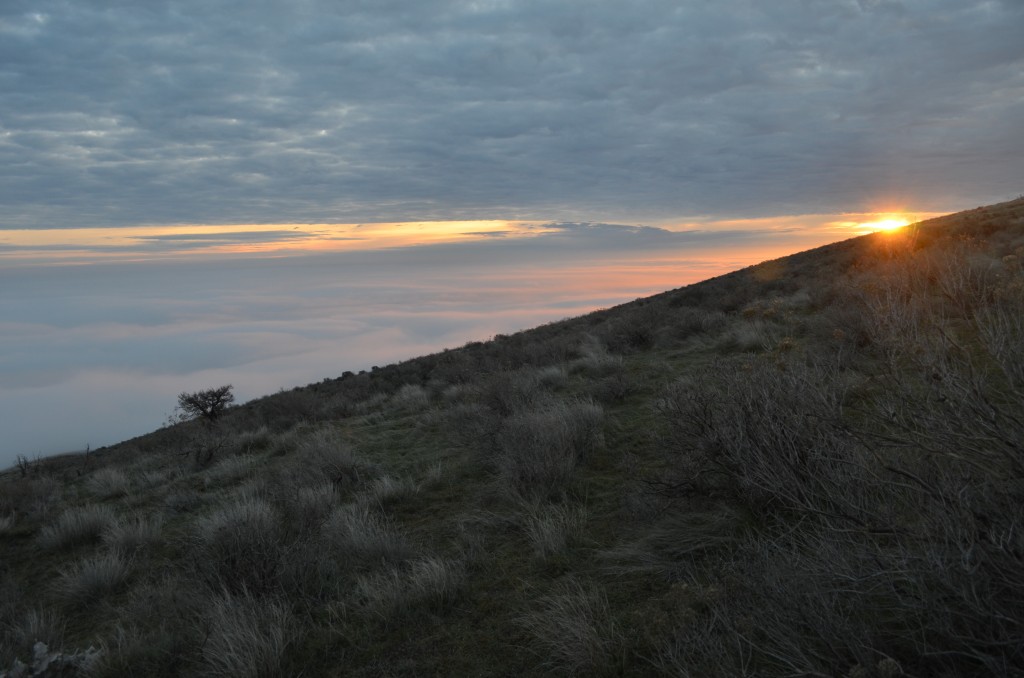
[(888, 223)]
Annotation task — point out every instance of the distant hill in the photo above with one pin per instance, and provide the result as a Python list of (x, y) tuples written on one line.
[(813, 466)]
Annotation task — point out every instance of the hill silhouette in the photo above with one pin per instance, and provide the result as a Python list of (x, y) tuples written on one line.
[(812, 466)]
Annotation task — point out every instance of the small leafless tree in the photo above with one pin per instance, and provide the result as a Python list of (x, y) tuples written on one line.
[(207, 405)]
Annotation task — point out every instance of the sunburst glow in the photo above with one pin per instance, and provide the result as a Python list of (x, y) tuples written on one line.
[(886, 224)]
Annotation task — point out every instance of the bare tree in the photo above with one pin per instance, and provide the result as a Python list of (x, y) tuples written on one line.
[(207, 405)]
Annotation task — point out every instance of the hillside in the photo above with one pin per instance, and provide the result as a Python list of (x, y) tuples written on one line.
[(812, 466)]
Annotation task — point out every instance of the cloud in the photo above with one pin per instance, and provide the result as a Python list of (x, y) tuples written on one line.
[(260, 112)]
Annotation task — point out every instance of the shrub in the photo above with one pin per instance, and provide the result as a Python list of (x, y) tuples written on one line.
[(207, 405), (76, 527), (768, 439)]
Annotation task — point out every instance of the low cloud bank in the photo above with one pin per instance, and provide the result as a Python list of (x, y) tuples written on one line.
[(96, 352)]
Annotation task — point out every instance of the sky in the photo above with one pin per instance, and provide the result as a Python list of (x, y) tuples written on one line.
[(268, 193)]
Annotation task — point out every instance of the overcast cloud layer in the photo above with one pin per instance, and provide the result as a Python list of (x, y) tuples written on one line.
[(261, 111)]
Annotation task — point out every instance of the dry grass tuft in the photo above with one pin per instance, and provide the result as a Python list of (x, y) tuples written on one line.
[(74, 527), (551, 528), (239, 546), (131, 534), (108, 483), (387, 490), (231, 469), (540, 449), (248, 636), (363, 537), (411, 397), (430, 583), (93, 577), (325, 455), (573, 630)]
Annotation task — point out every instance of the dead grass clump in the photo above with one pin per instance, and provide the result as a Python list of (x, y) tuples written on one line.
[(431, 584), (539, 450), (553, 376), (77, 526), (239, 546), (750, 335), (551, 529), (22, 632), (311, 506), (93, 577), (324, 454), (387, 490), (107, 483), (573, 630), (362, 537), (231, 469), (252, 441), (248, 636), (411, 397), (508, 392), (158, 632), (148, 480), (33, 497), (133, 533), (595, 360), (182, 501)]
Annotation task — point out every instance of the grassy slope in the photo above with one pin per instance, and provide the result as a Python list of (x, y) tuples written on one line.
[(737, 476)]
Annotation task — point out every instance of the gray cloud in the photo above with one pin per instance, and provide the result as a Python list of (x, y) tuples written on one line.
[(171, 112)]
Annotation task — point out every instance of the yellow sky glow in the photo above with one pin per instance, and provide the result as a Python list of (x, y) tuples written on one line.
[(87, 245)]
